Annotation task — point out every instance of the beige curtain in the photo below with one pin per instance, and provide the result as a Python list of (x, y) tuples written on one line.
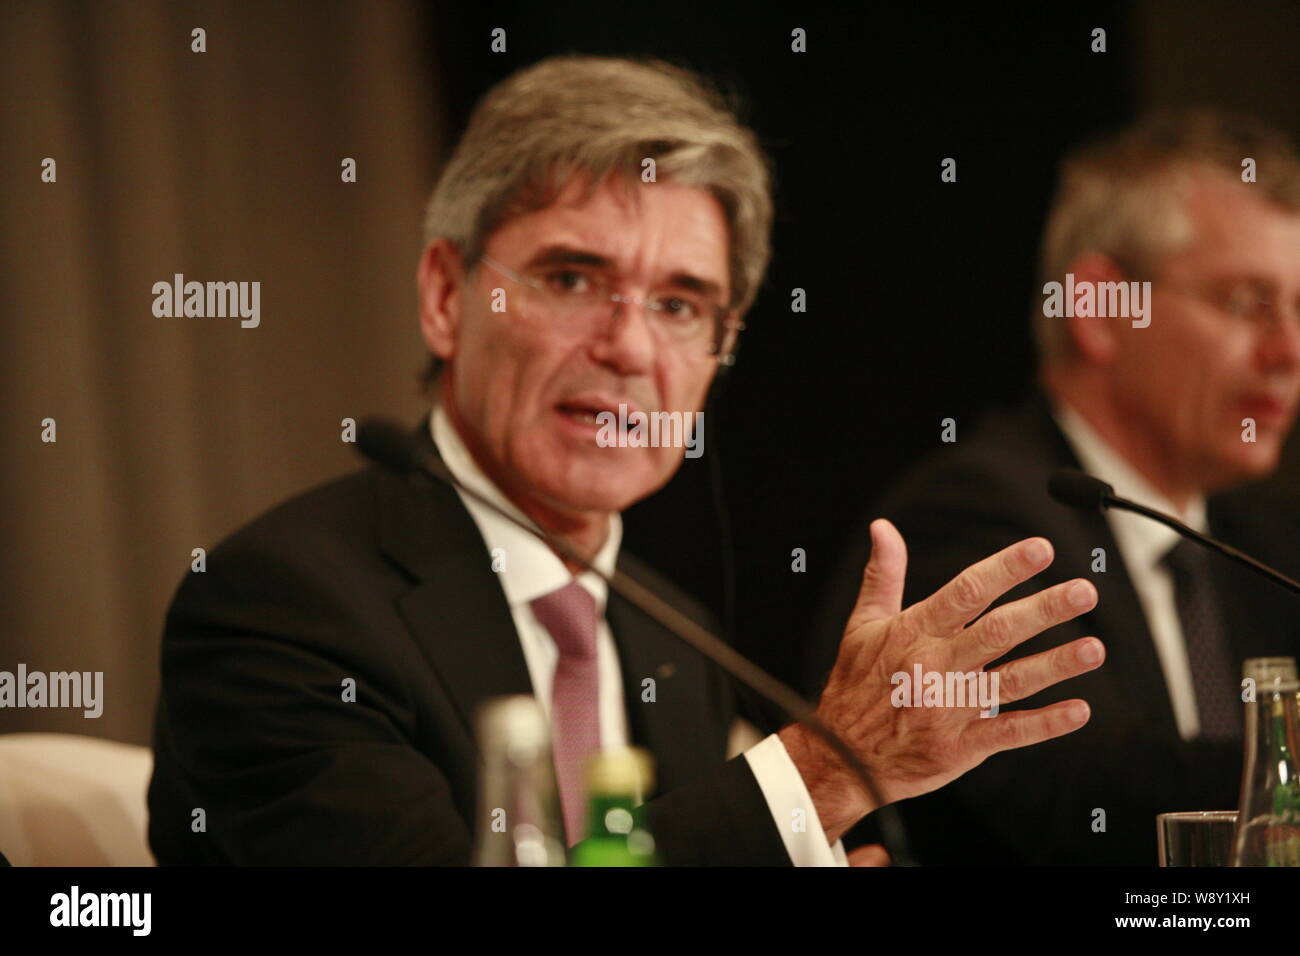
[(171, 432)]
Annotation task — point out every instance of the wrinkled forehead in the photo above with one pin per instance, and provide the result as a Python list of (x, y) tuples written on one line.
[(649, 232), (1236, 230)]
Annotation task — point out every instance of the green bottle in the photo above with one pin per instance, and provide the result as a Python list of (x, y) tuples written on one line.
[(1268, 814), (617, 781)]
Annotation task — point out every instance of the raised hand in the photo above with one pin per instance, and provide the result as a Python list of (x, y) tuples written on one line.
[(912, 750)]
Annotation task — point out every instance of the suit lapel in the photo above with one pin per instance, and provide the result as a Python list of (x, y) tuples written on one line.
[(680, 708), (459, 616), (455, 609), (1119, 619), (1260, 618)]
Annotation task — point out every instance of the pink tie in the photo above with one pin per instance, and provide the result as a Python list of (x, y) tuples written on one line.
[(569, 614)]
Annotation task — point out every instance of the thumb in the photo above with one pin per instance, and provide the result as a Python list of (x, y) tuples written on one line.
[(882, 582)]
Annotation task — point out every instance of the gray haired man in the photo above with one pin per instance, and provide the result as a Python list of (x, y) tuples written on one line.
[(593, 243)]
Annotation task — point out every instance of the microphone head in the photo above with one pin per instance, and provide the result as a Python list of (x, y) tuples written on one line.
[(1078, 489), (387, 444)]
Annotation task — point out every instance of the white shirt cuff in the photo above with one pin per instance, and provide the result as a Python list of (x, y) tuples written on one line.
[(791, 806)]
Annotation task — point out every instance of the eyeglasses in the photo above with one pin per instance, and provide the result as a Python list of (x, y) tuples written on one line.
[(1244, 300), (583, 299)]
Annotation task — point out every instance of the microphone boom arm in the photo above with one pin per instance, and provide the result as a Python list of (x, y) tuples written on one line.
[(1112, 500)]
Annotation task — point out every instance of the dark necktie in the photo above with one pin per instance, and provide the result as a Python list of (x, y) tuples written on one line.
[(1214, 678)]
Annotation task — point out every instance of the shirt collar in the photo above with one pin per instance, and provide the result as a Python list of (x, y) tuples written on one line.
[(1141, 539), (530, 569)]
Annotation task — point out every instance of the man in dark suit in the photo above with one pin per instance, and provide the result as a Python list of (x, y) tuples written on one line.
[(1175, 408), (398, 594), (319, 679)]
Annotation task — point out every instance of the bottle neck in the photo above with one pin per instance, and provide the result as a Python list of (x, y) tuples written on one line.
[(518, 817), (611, 815)]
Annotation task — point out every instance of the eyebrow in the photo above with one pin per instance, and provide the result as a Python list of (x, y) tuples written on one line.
[(1246, 278), (562, 255)]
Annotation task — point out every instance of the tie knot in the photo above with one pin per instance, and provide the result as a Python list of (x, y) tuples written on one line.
[(1186, 558), (569, 614)]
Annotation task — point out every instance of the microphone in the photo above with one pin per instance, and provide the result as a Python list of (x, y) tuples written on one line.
[(1080, 490), (395, 448)]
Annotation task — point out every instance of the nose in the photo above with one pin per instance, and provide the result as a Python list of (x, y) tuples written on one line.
[(626, 343), (1280, 348)]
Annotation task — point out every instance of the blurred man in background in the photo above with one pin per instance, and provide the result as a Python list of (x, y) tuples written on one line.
[(1176, 401)]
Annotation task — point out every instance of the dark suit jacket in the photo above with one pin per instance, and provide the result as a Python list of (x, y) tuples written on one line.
[(386, 580), (1037, 805)]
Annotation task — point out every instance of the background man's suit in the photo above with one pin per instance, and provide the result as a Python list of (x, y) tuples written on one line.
[(386, 580), (1037, 805)]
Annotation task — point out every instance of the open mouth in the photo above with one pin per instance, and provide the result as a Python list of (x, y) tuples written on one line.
[(582, 414), (596, 410), (1264, 406)]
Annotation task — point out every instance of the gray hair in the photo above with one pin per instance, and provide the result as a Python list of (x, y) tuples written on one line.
[(596, 116), (1123, 195)]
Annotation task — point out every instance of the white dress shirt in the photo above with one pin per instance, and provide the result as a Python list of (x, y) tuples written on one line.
[(1143, 544), (529, 569)]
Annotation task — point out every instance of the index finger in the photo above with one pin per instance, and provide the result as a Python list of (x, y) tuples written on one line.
[(969, 594)]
